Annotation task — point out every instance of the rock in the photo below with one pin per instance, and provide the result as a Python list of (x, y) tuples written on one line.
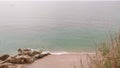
[(36, 52), (12, 59), (24, 56), (3, 66), (29, 52), (24, 52), (42, 55), (4, 57), (1, 61), (24, 59)]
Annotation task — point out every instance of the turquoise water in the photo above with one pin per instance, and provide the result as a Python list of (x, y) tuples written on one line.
[(56, 26)]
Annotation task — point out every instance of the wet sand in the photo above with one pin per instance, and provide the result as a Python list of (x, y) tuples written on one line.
[(62, 61)]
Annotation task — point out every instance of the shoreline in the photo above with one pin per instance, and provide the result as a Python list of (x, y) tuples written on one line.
[(62, 60), (34, 58), (68, 52), (72, 53)]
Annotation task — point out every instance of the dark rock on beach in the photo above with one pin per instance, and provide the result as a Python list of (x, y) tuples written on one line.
[(4, 57), (30, 52), (24, 56)]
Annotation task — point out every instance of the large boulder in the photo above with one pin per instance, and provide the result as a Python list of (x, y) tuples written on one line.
[(24, 51), (41, 55), (36, 52), (24, 56), (30, 52), (4, 57), (12, 59), (24, 59)]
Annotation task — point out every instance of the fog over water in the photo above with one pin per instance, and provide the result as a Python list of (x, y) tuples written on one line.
[(56, 25)]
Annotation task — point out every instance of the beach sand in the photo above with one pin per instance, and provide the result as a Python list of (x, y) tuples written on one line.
[(62, 61)]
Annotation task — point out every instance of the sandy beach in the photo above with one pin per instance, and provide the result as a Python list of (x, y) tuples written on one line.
[(62, 61)]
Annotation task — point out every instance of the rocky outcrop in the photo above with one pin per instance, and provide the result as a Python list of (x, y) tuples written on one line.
[(23, 59), (4, 57), (24, 56), (41, 55), (30, 52)]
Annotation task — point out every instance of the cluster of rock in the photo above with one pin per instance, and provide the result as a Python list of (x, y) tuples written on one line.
[(24, 56)]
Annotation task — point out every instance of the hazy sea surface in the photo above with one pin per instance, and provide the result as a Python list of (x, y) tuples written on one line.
[(56, 25)]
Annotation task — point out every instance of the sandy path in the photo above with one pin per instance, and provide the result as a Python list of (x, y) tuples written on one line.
[(60, 61)]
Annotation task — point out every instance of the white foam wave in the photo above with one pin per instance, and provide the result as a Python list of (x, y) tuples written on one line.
[(59, 53), (64, 52)]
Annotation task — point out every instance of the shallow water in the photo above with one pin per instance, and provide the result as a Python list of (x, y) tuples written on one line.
[(56, 26)]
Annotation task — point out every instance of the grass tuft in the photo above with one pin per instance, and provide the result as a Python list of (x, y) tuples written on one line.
[(108, 56)]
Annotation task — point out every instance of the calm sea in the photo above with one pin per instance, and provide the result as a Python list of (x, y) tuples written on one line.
[(56, 25)]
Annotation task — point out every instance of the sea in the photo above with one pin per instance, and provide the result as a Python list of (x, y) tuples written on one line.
[(62, 26)]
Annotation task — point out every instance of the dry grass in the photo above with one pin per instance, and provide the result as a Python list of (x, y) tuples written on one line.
[(108, 56)]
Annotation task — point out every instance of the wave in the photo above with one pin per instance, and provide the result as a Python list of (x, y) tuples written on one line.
[(59, 53), (66, 53)]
